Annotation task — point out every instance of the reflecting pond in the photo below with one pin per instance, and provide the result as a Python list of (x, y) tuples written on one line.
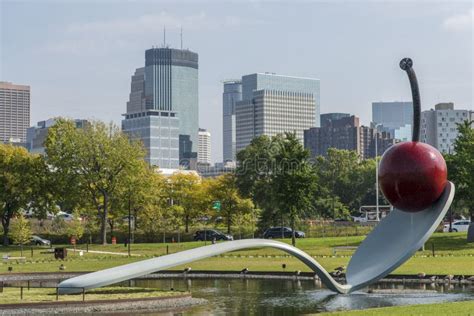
[(294, 297)]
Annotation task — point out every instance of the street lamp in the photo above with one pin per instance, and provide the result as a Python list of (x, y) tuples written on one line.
[(377, 172)]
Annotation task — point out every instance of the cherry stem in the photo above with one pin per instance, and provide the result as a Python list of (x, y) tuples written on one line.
[(407, 64)]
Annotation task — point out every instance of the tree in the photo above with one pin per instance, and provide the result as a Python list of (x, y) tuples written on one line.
[(224, 189), (254, 176), (186, 191), (97, 155), (346, 179), (461, 166), (24, 184), (294, 180), (21, 232)]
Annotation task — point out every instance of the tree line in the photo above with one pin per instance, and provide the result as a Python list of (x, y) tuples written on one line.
[(98, 173)]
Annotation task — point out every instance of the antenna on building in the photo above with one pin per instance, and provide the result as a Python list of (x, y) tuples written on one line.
[(164, 36), (181, 37)]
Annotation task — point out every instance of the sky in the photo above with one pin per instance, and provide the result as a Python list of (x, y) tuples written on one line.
[(78, 56)]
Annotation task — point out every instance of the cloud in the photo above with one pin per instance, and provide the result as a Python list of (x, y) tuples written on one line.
[(460, 22), (102, 37)]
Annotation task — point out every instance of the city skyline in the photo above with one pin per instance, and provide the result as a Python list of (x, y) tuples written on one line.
[(80, 67)]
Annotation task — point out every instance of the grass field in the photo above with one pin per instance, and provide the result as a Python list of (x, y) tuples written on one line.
[(454, 308), (453, 256), (35, 295)]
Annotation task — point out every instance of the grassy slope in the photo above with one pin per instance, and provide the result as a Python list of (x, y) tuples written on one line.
[(454, 256), (12, 295), (455, 308)]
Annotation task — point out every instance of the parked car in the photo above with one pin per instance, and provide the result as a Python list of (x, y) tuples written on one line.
[(211, 234), (458, 226), (65, 216), (279, 232), (38, 241)]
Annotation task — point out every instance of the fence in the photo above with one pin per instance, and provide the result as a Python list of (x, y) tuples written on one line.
[(22, 287)]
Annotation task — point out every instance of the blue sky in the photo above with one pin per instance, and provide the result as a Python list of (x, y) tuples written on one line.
[(78, 56)]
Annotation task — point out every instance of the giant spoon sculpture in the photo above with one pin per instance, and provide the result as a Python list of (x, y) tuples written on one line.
[(413, 178)]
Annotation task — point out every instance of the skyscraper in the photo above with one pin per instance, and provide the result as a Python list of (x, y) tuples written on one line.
[(36, 135), (273, 104), (204, 147), (162, 109), (232, 94), (439, 126), (393, 117), (346, 133), (14, 112)]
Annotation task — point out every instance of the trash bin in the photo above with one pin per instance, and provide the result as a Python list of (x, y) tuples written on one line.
[(60, 253)]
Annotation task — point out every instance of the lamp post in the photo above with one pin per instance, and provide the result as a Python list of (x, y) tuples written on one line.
[(377, 172)]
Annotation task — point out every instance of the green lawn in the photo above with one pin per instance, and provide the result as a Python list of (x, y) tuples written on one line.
[(455, 308), (453, 256), (34, 295)]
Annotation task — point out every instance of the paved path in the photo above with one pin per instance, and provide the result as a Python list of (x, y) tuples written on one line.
[(105, 252)]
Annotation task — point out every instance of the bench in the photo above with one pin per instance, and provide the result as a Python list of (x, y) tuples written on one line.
[(343, 248)]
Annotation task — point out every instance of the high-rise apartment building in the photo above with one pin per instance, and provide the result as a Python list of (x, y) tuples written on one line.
[(162, 110), (346, 133), (36, 135), (395, 118), (439, 126), (14, 112), (204, 147), (232, 94), (273, 104)]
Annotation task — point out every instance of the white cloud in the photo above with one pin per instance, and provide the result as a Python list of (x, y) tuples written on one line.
[(460, 22), (101, 37)]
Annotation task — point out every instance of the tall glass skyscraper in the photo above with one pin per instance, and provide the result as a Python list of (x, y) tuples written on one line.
[(163, 106), (273, 104), (393, 117), (232, 94)]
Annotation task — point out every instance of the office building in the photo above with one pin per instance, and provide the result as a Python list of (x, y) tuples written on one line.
[(328, 118), (212, 171), (14, 112), (162, 109), (36, 135), (274, 104), (346, 133), (395, 118), (232, 94), (439, 126), (204, 147)]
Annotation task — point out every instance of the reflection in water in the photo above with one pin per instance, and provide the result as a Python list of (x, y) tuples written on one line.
[(294, 297)]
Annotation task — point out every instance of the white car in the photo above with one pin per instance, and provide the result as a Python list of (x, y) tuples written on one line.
[(65, 216), (458, 226)]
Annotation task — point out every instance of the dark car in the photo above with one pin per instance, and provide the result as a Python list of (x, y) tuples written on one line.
[(282, 232), (211, 234), (38, 241)]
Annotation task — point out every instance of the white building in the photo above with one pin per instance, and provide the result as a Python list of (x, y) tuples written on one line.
[(204, 147), (439, 126), (274, 104)]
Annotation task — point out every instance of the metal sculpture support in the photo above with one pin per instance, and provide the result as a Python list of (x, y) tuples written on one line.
[(391, 243)]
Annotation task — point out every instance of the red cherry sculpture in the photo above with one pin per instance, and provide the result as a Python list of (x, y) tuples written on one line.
[(412, 175)]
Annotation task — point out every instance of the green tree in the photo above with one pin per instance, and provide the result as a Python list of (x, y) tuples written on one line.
[(186, 191), (224, 189), (346, 179), (24, 185), (294, 180), (254, 176), (461, 167), (97, 155), (21, 232)]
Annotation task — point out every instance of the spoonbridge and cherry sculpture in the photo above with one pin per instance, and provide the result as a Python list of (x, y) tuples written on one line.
[(413, 177)]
